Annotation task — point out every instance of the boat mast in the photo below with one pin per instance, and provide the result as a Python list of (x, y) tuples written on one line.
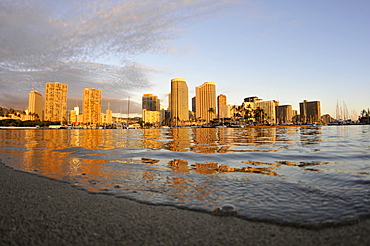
[(128, 111)]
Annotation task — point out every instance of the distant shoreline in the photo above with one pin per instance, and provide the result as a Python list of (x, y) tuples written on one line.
[(247, 126)]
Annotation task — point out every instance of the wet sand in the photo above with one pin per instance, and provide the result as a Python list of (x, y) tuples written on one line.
[(39, 211)]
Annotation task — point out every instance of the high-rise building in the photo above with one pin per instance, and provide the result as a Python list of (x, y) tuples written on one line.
[(221, 102), (109, 115), (310, 112), (252, 99), (72, 117), (151, 117), (194, 104), (55, 102), (268, 113), (150, 102), (91, 106), (35, 103), (169, 101), (206, 101), (284, 114), (226, 111), (150, 109), (77, 109), (79, 116), (165, 117), (179, 102)]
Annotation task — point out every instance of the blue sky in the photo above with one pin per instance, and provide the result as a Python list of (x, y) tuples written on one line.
[(277, 50), (314, 50)]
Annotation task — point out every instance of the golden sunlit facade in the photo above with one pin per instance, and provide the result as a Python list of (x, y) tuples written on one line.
[(179, 101), (150, 109), (206, 101), (107, 118), (35, 103), (221, 103), (225, 111), (269, 110), (91, 106), (72, 117), (152, 117), (55, 103), (109, 115)]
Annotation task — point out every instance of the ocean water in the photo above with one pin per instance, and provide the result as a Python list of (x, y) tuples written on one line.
[(308, 176)]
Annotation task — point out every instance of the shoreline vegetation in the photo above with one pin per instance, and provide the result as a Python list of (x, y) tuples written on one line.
[(36, 210), (13, 118), (37, 124)]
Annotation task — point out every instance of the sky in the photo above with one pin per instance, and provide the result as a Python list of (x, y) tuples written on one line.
[(290, 51)]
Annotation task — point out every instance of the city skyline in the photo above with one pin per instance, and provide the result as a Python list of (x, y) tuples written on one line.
[(293, 52), (207, 107)]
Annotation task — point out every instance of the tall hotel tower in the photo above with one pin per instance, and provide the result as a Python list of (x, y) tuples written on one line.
[(55, 104), (221, 106), (150, 102), (179, 101), (35, 103), (310, 111), (109, 114), (206, 101), (91, 106)]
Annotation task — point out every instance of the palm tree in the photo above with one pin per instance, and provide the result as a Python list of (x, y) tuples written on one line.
[(248, 113), (237, 112), (365, 113), (210, 112), (259, 115)]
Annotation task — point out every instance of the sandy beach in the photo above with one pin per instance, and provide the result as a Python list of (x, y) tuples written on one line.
[(40, 211)]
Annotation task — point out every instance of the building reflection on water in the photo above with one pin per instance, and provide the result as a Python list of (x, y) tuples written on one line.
[(179, 165), (214, 167), (152, 139), (262, 171), (51, 151), (41, 152), (180, 139), (310, 136)]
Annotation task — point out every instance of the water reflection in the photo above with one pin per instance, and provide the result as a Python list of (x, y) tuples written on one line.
[(179, 165), (179, 139), (40, 146), (152, 139), (262, 171), (205, 140), (310, 135)]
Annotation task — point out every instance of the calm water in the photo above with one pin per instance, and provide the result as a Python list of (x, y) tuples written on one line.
[(307, 176)]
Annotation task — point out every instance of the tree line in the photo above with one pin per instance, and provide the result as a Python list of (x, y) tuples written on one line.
[(32, 123), (4, 112), (365, 116)]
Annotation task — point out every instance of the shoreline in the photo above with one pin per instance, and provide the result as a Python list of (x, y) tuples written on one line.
[(37, 210)]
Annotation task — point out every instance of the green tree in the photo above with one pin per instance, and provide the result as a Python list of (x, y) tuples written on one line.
[(365, 113), (259, 115), (210, 112), (237, 112)]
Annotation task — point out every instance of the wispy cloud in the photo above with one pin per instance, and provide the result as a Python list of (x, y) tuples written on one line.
[(71, 43)]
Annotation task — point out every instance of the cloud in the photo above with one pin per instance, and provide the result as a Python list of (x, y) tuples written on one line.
[(88, 44)]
